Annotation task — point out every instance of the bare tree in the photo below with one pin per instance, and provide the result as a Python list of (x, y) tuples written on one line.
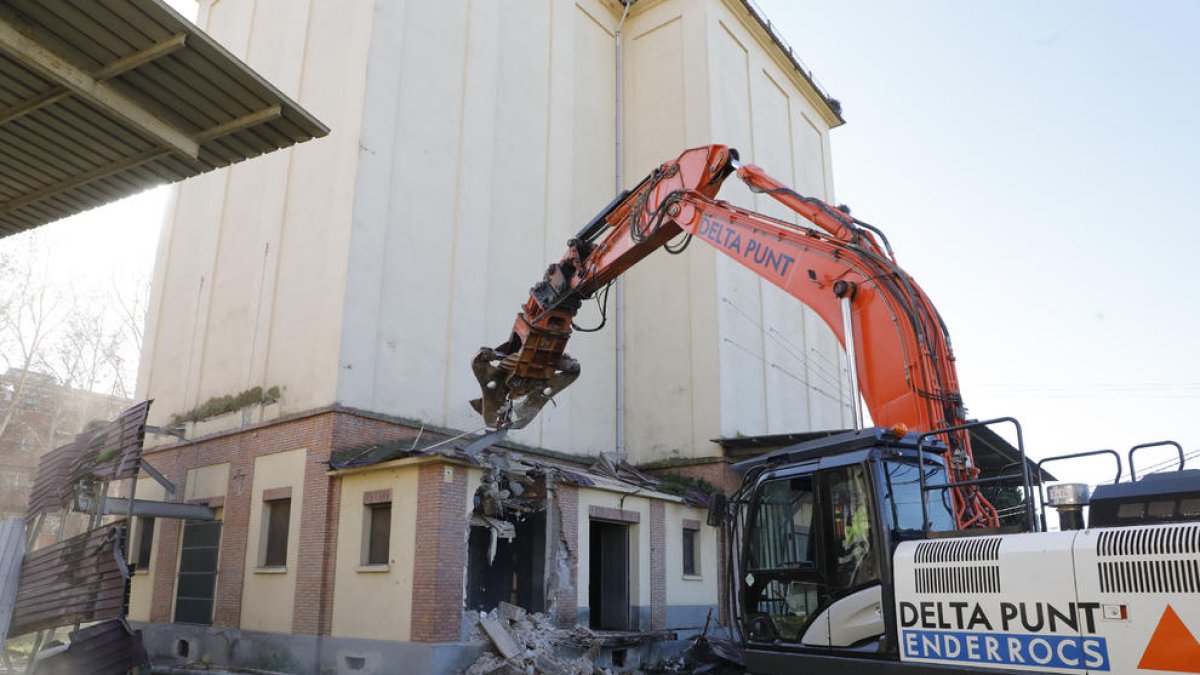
[(30, 313), (67, 350), (129, 301), (84, 358)]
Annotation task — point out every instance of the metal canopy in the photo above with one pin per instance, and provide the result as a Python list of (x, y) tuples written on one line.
[(992, 453), (100, 99)]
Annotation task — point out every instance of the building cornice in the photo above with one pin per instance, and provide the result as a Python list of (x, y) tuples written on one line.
[(754, 20), (764, 32)]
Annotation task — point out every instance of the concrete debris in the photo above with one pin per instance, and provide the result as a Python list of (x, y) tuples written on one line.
[(529, 644), (707, 654), (622, 470), (499, 637), (511, 612)]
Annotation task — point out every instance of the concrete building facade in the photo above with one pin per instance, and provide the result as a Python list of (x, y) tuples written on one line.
[(327, 299)]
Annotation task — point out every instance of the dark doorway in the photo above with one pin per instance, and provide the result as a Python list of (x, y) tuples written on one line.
[(516, 574), (197, 572), (608, 576)]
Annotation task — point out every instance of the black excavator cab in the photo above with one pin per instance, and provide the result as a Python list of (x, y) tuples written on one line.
[(812, 530), (1172, 497)]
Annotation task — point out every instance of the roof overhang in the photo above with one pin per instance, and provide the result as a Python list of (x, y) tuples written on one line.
[(99, 104), (993, 454)]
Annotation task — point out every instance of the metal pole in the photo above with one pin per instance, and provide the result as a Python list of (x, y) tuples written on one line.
[(619, 291), (852, 360)]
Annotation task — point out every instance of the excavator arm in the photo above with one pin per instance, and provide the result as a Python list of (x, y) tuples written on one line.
[(904, 362)]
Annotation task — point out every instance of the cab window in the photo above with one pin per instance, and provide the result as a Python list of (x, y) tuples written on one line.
[(783, 584), (849, 497), (902, 497), (784, 526), (811, 540)]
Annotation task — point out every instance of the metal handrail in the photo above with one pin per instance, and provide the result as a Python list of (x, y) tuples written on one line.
[(1031, 520), (1155, 444), (1074, 455)]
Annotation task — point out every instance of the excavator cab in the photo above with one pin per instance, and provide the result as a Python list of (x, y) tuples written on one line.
[(814, 528)]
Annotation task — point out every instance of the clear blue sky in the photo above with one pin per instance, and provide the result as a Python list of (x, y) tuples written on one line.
[(1035, 165)]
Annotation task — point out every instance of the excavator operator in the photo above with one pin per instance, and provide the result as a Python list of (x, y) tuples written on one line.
[(856, 562)]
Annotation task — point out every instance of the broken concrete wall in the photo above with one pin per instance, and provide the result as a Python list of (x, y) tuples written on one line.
[(609, 548)]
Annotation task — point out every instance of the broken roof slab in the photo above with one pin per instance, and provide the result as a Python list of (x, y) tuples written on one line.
[(101, 100)]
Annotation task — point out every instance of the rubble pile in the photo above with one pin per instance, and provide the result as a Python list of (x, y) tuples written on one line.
[(529, 644)]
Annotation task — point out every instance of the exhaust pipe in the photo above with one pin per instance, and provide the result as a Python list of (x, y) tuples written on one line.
[(1069, 499)]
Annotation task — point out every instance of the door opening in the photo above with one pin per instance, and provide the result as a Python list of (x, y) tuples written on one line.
[(197, 584), (514, 571), (608, 576)]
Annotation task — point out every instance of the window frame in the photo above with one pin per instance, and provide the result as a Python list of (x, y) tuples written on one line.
[(272, 534), (691, 549), (143, 549), (940, 513), (370, 516), (814, 575), (824, 575)]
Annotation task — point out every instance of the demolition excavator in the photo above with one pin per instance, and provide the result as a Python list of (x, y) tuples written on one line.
[(878, 550)]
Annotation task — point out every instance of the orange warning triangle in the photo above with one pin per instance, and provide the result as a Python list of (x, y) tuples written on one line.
[(1172, 647)]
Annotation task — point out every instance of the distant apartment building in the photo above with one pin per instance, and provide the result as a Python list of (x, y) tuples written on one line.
[(39, 414), (314, 313)]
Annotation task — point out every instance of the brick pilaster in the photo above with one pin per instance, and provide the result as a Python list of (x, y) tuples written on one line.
[(658, 565), (566, 603), (168, 536), (441, 553), (332, 512), (314, 559), (231, 570), (722, 476)]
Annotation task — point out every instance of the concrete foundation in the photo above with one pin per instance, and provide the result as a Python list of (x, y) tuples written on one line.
[(178, 644), (303, 654)]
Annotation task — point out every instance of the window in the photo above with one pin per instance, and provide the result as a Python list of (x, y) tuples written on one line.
[(783, 586), (810, 539), (1162, 509), (902, 497), (783, 530), (1131, 510), (276, 515), (691, 565), (379, 527), (849, 498), (145, 542), (196, 585)]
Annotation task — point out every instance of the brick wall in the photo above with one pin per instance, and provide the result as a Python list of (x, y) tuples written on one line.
[(351, 430), (332, 513), (166, 544), (440, 558), (320, 433), (318, 516), (235, 532), (721, 475), (658, 565), (566, 603)]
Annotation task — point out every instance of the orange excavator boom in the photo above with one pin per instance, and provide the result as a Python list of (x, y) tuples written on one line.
[(903, 359)]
